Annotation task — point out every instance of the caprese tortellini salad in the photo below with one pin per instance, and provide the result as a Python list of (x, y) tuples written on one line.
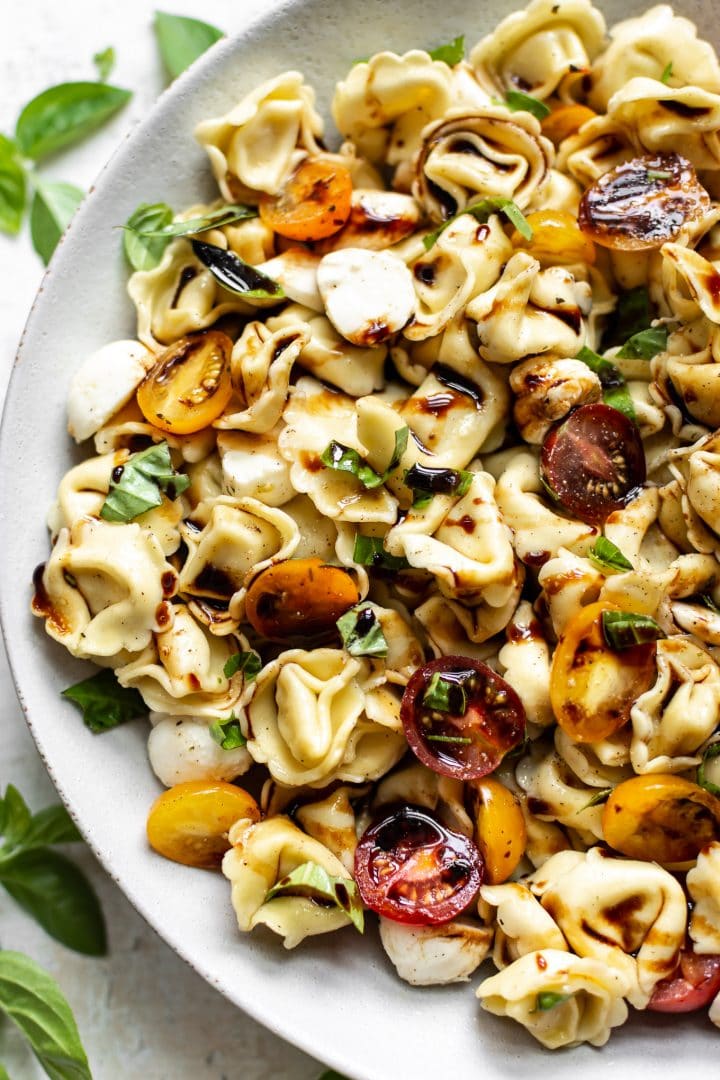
[(402, 523)]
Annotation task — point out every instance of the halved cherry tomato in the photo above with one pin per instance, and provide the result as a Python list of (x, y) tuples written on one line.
[(299, 598), (694, 985), (465, 744), (565, 120), (592, 687), (593, 463), (661, 818), (189, 386), (314, 203), (411, 869), (500, 831), (556, 239), (642, 203), (189, 823)]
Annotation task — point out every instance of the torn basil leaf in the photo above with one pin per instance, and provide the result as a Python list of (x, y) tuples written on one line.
[(711, 752), (311, 880), (426, 482), (614, 387), (370, 551), (625, 629), (228, 733), (247, 662), (235, 275), (182, 39), (142, 243), (213, 219), (462, 739), (104, 703), (137, 485), (517, 101), (658, 174), (104, 62), (51, 211), (361, 632), (645, 344), (608, 557), (450, 54), (445, 695), (13, 187), (547, 1000), (344, 459), (481, 211), (667, 73), (631, 315)]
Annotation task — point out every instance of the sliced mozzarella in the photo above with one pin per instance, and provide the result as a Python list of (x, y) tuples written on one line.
[(181, 749), (436, 955), (378, 219), (105, 382), (296, 271), (368, 295), (252, 465)]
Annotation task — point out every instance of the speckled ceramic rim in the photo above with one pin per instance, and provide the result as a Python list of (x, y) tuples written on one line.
[(335, 997)]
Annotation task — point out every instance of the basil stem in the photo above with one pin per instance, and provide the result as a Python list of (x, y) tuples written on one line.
[(614, 387), (625, 629), (608, 557), (361, 632)]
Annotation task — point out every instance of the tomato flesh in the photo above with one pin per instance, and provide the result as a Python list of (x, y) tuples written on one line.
[(190, 384), (661, 818), (695, 985), (593, 463), (299, 598), (411, 869), (189, 823), (470, 745), (314, 204)]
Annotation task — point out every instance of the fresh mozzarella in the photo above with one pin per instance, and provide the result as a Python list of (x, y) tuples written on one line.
[(251, 465), (181, 749), (296, 271), (368, 295), (378, 219), (436, 955), (104, 383)]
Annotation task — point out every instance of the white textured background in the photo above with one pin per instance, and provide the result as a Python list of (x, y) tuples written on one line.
[(141, 1011)]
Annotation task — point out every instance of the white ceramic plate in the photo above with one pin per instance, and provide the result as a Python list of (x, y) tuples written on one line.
[(337, 997)]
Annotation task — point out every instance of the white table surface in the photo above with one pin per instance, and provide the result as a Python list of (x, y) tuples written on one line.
[(141, 1011)]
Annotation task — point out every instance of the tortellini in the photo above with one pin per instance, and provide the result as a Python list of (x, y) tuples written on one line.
[(703, 883), (659, 118), (523, 924), (546, 390)]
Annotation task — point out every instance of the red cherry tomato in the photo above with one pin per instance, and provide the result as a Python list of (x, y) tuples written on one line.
[(694, 985), (593, 462), (482, 719), (411, 869)]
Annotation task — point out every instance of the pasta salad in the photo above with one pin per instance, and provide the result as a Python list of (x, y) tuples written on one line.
[(403, 519)]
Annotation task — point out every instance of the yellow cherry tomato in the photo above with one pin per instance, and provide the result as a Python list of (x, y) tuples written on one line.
[(556, 239), (189, 386), (314, 203), (661, 818), (189, 823), (500, 831), (565, 120), (592, 686), (299, 598)]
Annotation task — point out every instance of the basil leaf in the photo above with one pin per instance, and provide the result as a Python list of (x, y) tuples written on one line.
[(104, 703), (104, 62), (15, 817), (330, 1074), (632, 314), (370, 551), (667, 73), (65, 114), (247, 662), (181, 40), (445, 695), (426, 482), (547, 1000), (608, 557), (58, 896), (658, 174), (53, 205), (34, 1002), (13, 187), (361, 632), (143, 245), (228, 733), (711, 752), (214, 219), (481, 211), (645, 344), (599, 797), (136, 486), (344, 459), (53, 825), (312, 880), (624, 629), (517, 101), (235, 275), (614, 387), (450, 54)]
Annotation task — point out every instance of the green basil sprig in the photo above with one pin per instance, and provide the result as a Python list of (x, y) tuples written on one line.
[(614, 387), (450, 54), (517, 101), (645, 344), (310, 879), (370, 551), (137, 486), (344, 459), (150, 228), (104, 61), (32, 999), (481, 211), (608, 557), (13, 187), (445, 695), (711, 752), (625, 629), (104, 703), (228, 733), (65, 114), (53, 206), (235, 275), (361, 632), (181, 40), (247, 662)]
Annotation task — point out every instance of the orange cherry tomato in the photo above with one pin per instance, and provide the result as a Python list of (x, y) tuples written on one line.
[(299, 598), (189, 823), (314, 203), (565, 120), (189, 386), (500, 831), (556, 239), (661, 818), (592, 686)]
